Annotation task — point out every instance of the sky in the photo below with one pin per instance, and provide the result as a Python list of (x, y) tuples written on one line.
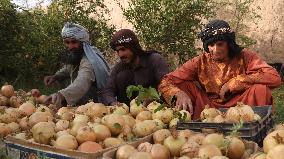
[(30, 3)]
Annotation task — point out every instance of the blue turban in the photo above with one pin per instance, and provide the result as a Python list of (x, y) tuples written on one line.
[(100, 65)]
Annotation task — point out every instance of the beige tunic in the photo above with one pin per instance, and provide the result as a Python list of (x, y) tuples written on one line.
[(82, 79)]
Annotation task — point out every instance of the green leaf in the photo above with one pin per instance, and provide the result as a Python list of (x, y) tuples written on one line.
[(117, 125), (160, 107), (184, 116)]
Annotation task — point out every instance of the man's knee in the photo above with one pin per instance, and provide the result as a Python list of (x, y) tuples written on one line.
[(260, 89)]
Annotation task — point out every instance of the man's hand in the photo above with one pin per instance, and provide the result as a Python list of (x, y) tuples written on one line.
[(225, 89), (55, 98), (184, 102), (48, 80)]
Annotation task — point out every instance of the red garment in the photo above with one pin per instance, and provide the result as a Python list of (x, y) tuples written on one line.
[(249, 79)]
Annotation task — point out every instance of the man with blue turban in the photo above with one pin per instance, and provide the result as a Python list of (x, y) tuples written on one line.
[(84, 65)]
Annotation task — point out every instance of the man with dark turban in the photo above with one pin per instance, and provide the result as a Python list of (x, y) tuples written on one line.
[(84, 66), (136, 67), (221, 76)]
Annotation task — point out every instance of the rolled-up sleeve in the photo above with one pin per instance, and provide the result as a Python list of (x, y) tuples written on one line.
[(77, 89)]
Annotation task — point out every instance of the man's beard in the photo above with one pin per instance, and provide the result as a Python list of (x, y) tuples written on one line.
[(72, 56)]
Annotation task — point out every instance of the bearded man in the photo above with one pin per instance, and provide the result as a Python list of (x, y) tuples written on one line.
[(84, 66), (221, 76), (136, 67)]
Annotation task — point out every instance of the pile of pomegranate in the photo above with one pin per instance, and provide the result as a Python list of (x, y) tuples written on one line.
[(186, 144), (86, 128), (94, 126), (232, 115)]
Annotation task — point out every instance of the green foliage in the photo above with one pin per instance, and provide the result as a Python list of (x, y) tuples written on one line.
[(143, 93), (169, 26), (31, 40), (242, 10), (278, 101)]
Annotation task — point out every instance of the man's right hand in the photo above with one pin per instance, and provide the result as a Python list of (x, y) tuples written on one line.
[(48, 80), (184, 102)]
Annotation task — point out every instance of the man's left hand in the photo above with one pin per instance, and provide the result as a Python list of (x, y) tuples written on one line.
[(55, 98), (225, 89)]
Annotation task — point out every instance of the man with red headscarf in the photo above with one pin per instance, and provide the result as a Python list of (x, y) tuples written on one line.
[(137, 67), (221, 76)]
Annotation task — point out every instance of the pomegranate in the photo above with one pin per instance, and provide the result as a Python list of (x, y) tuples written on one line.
[(15, 101), (219, 157), (43, 132), (153, 106), (7, 91), (39, 117), (184, 157), (127, 134), (209, 151), (135, 109), (15, 127), (173, 123), (219, 119), (276, 152), (129, 120), (159, 125), (61, 125), (190, 149), (208, 112), (112, 142), (121, 109), (259, 155), (102, 132), (144, 128), (145, 147), (141, 155), (246, 112), (81, 118), (35, 92), (4, 101), (159, 151), (165, 115), (279, 126), (174, 144), (186, 115), (160, 135), (82, 109), (90, 147), (198, 138), (68, 142), (214, 139), (85, 134), (63, 132), (114, 122), (96, 110), (185, 133), (232, 115), (144, 115), (236, 147), (273, 139), (4, 130), (10, 115), (41, 99), (27, 108), (24, 123), (76, 126), (124, 152)]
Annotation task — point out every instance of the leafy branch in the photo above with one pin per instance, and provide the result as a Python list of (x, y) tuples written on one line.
[(144, 94)]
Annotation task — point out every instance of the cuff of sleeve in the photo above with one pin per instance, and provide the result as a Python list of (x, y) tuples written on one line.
[(67, 98)]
